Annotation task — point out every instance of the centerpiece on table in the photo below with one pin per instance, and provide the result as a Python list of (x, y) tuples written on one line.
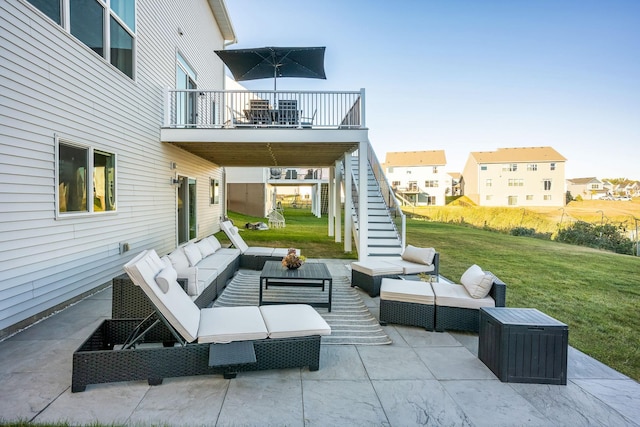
[(292, 261)]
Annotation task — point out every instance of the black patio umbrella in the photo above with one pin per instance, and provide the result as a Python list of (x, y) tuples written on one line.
[(265, 62)]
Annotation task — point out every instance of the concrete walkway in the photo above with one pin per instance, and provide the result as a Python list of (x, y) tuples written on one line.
[(423, 378)]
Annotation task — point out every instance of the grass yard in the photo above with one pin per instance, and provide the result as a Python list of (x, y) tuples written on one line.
[(596, 293)]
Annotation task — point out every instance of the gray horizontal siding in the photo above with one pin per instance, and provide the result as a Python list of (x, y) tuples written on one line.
[(51, 84)]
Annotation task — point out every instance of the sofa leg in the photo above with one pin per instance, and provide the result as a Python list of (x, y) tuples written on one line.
[(383, 323), (155, 381), (229, 375)]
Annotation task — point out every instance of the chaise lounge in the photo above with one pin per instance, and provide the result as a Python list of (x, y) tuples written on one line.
[(180, 339), (252, 257)]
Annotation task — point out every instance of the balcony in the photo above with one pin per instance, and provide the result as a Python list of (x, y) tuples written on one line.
[(265, 128)]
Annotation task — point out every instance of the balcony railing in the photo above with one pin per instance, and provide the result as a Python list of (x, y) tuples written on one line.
[(196, 108)]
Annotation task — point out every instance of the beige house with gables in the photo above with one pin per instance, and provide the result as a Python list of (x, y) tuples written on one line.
[(527, 176), (418, 177)]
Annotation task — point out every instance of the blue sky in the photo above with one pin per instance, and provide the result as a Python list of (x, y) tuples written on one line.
[(474, 75)]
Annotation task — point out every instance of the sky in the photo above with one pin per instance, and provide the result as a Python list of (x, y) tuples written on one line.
[(473, 75)]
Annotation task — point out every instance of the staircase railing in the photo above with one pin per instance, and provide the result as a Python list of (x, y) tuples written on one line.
[(393, 206)]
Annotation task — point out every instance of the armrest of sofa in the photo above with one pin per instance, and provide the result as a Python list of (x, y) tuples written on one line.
[(498, 291), (190, 274), (436, 264)]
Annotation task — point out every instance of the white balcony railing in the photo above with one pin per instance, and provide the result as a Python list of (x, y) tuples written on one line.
[(196, 108)]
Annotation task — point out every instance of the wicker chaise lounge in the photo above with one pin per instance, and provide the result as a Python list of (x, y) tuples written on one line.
[(180, 339), (252, 257)]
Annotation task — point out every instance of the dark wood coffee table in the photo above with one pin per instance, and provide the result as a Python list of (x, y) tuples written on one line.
[(309, 275)]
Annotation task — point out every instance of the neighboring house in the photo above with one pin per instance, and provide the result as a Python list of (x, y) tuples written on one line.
[(85, 177), (418, 177), (528, 176), (588, 188), (456, 182)]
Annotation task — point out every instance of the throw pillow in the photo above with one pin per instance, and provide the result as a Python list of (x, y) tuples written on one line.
[(179, 260), (164, 279), (477, 282), (419, 255), (205, 248), (215, 243), (193, 254)]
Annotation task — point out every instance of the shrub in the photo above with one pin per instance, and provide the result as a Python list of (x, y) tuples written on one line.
[(523, 231), (607, 236)]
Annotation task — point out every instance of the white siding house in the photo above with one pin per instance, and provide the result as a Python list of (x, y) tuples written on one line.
[(527, 176), (82, 168), (419, 177)]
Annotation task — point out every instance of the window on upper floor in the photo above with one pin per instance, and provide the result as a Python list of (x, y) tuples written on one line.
[(86, 179), (107, 27), (488, 182), (552, 166), (546, 184), (431, 184), (390, 169), (435, 169), (395, 184), (532, 167), (483, 167), (516, 182)]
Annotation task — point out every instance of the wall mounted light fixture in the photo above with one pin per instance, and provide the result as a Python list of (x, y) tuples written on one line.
[(173, 165)]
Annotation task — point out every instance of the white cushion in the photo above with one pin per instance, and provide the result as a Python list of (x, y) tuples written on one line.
[(259, 251), (376, 268), (232, 234), (450, 295), (419, 255), (293, 320), (205, 248), (227, 324), (215, 243), (166, 276), (414, 291), (477, 282), (175, 305), (179, 260), (166, 261), (409, 267), (193, 254)]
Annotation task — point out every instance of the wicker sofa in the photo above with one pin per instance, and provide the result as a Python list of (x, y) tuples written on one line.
[(204, 269), (441, 305), (181, 339)]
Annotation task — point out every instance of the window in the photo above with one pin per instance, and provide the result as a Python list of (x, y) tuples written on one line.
[(512, 201), (395, 184), (532, 167), (547, 197), (51, 8), (483, 167), (511, 167), (516, 182), (86, 179), (412, 186), (431, 184), (214, 191), (408, 172), (86, 20), (552, 166), (435, 169), (529, 197), (546, 184), (488, 197), (390, 170), (488, 182)]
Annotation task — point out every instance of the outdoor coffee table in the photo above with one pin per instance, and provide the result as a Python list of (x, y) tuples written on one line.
[(309, 275)]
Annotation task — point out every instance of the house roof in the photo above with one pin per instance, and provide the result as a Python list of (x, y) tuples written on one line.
[(580, 181), (415, 158), (455, 175), (221, 15), (518, 155)]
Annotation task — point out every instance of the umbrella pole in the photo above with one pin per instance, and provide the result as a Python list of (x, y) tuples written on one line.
[(275, 77)]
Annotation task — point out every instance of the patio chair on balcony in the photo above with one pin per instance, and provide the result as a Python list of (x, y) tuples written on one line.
[(307, 122), (259, 112), (288, 112)]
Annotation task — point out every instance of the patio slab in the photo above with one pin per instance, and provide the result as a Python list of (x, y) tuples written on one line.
[(423, 378)]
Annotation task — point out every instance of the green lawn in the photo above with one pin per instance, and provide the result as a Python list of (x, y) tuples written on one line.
[(596, 293)]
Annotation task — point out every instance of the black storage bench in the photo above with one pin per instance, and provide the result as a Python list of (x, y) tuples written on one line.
[(523, 345)]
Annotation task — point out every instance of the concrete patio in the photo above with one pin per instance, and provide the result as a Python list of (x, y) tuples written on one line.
[(423, 378)]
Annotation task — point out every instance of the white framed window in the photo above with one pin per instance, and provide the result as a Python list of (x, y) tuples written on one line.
[(488, 182), (511, 167), (552, 166), (512, 200), (214, 191), (431, 184), (435, 169), (547, 197), (516, 182), (483, 167), (488, 197), (85, 179), (529, 197), (107, 27), (532, 167), (395, 184), (546, 184)]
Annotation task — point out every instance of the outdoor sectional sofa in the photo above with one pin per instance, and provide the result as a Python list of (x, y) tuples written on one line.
[(441, 305), (180, 339), (368, 274)]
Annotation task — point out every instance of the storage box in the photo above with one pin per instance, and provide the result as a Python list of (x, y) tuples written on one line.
[(523, 345)]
